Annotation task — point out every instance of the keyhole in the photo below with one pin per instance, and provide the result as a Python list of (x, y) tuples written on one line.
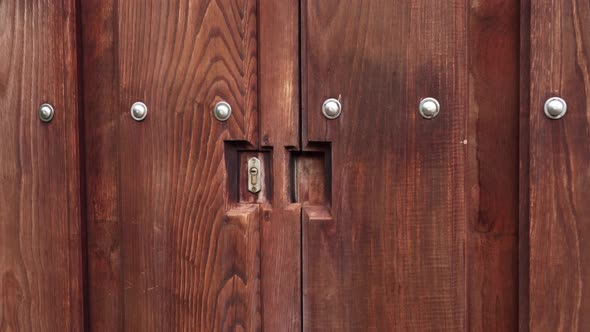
[(253, 176), (254, 171)]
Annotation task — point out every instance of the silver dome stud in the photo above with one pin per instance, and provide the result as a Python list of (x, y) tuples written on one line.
[(332, 108), (46, 112), (139, 111), (555, 108), (222, 111), (429, 108)]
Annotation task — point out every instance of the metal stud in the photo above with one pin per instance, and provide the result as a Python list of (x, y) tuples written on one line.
[(222, 111), (46, 113), (332, 108), (429, 108), (139, 111), (555, 108)]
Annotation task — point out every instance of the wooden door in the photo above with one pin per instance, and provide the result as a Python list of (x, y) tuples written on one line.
[(420, 231), (556, 213), (388, 250), (40, 211), (174, 238), (377, 220)]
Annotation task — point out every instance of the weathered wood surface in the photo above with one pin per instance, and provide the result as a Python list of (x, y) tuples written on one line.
[(388, 254), (279, 130), (169, 246), (524, 169), (410, 213), (493, 163), (40, 211), (559, 177), (101, 146)]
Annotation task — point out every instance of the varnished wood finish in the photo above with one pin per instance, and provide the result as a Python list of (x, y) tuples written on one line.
[(170, 247), (388, 254), (40, 211), (378, 220), (524, 168), (493, 161), (101, 145), (279, 131), (311, 179), (559, 272)]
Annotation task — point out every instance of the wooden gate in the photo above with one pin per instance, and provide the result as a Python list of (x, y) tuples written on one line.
[(279, 173)]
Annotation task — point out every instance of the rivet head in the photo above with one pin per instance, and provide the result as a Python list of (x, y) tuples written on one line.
[(332, 108), (139, 111), (46, 113), (555, 108), (429, 108), (222, 111)]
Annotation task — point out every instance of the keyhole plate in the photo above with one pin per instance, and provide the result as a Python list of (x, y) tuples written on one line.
[(254, 175)]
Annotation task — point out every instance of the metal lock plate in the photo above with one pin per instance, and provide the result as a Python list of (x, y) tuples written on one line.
[(254, 177)]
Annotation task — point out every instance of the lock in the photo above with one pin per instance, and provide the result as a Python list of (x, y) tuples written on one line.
[(254, 175)]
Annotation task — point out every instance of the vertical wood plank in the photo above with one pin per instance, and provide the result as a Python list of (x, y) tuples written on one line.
[(172, 249), (180, 58), (524, 168), (238, 302), (493, 163), (101, 146), (559, 270), (41, 273), (390, 254), (279, 130)]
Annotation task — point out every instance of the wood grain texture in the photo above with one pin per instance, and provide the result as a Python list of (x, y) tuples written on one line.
[(170, 247), (524, 167), (180, 58), (559, 271), (389, 253), (41, 273), (311, 185), (279, 131), (493, 163), (101, 145)]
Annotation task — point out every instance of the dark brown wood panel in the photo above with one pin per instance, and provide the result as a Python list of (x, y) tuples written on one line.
[(180, 58), (493, 161), (279, 131), (170, 247), (388, 254), (559, 177), (524, 169), (40, 208), (101, 146)]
